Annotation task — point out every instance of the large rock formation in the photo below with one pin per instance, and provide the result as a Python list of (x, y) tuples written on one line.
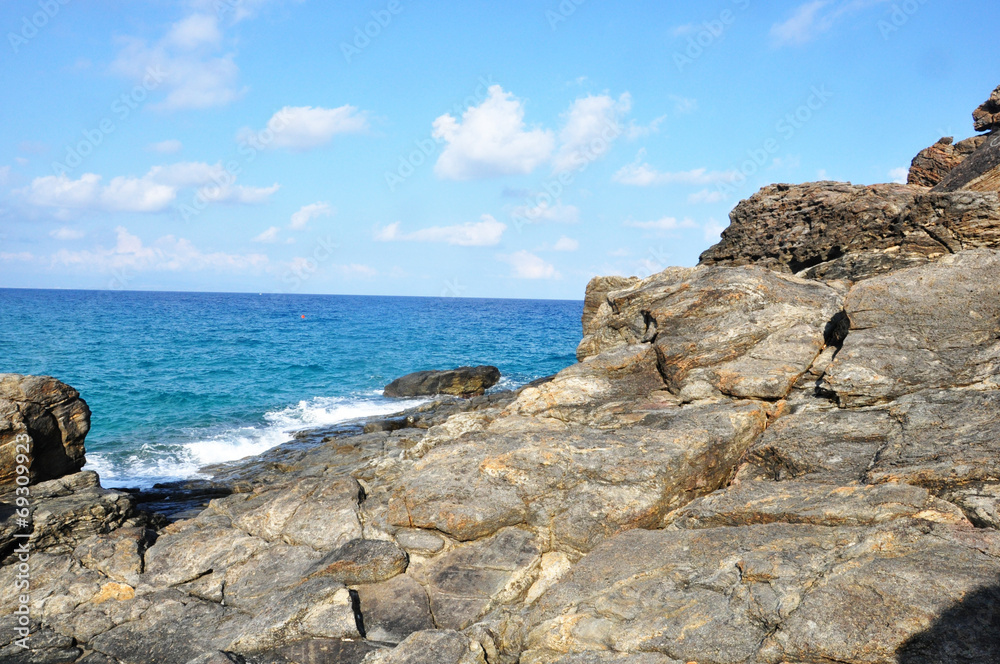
[(788, 454), (54, 418), (932, 165)]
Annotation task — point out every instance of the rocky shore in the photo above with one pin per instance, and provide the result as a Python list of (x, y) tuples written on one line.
[(787, 454)]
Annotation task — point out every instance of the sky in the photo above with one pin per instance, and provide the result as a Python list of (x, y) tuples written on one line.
[(475, 149)]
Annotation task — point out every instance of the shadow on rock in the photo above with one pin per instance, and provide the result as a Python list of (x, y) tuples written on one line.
[(967, 632)]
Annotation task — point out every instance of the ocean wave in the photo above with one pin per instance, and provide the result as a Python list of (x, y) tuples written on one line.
[(150, 463)]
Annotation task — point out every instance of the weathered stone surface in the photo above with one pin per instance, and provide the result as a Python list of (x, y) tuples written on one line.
[(394, 609), (432, 647), (55, 418), (743, 332), (987, 116), (832, 230), (580, 483), (980, 171), (118, 554), (750, 503), (932, 326), (774, 593), (466, 583), (597, 296), (461, 382), (932, 165), (363, 561)]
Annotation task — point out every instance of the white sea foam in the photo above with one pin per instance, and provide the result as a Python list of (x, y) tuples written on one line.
[(151, 463)]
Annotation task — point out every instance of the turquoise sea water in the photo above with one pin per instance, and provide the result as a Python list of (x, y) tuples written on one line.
[(179, 380)]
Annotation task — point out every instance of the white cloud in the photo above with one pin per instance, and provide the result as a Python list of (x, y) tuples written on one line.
[(66, 233), (306, 127), (356, 270), (641, 174), (664, 224), (590, 127), (526, 265), (309, 212), (684, 105), (237, 194), (195, 31), (169, 253), (153, 192), (713, 230), (192, 70), (899, 175), (706, 196), (166, 147), (544, 211), (490, 140), (188, 174), (4, 174), (270, 236), (121, 194), (813, 18), (20, 256), (566, 244), (485, 233)]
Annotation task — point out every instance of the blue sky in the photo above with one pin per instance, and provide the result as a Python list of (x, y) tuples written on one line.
[(479, 149)]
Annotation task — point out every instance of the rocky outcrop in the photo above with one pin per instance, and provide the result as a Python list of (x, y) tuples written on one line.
[(987, 116), (463, 382), (831, 230), (933, 164), (789, 453), (55, 419)]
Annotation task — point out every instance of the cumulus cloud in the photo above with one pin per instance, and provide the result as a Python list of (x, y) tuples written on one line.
[(270, 236), (166, 147), (302, 128), (664, 224), (899, 175), (590, 127), (153, 192), (168, 253), (545, 211), (566, 244), (642, 174), (713, 230), (526, 265), (813, 18), (309, 212), (66, 233), (490, 140), (121, 194), (484, 233), (191, 70), (706, 196)]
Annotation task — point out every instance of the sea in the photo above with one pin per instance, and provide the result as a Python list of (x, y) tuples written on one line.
[(178, 381)]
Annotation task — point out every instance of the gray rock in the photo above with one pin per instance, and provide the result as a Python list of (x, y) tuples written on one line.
[(461, 382), (55, 418), (363, 561), (394, 609), (431, 647), (941, 333)]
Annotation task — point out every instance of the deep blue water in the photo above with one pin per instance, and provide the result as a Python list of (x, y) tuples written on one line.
[(179, 380)]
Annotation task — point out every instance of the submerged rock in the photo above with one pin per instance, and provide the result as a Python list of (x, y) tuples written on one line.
[(462, 382)]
